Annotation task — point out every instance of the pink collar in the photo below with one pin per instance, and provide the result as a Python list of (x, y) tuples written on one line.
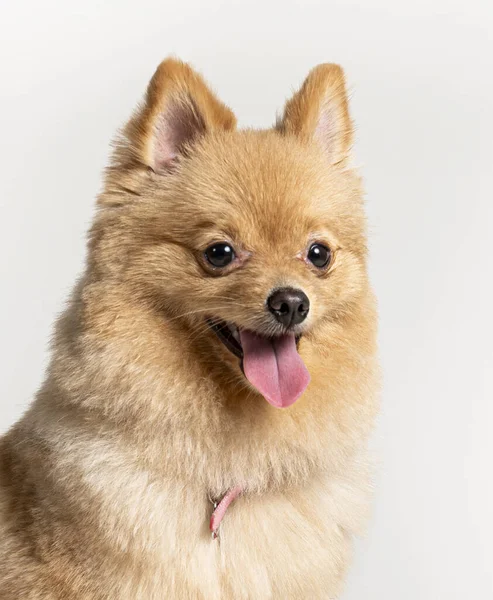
[(221, 508)]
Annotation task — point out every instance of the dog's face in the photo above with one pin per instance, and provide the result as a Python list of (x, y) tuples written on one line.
[(255, 239)]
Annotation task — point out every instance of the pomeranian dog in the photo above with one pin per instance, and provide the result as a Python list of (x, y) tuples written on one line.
[(202, 429)]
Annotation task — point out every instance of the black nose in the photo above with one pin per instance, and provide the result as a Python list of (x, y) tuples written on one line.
[(289, 306)]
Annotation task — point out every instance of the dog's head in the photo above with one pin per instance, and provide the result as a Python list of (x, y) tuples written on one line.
[(252, 239)]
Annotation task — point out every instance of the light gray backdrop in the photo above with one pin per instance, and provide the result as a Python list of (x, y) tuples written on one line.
[(420, 73)]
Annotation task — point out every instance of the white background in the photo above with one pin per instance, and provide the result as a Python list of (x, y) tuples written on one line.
[(420, 74)]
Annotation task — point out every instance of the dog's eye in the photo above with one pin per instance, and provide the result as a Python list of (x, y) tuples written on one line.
[(319, 255), (220, 255)]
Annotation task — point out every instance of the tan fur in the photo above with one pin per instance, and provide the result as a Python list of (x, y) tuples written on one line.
[(144, 414)]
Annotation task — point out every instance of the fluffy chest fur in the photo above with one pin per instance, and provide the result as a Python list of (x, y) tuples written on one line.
[(287, 544), (146, 535)]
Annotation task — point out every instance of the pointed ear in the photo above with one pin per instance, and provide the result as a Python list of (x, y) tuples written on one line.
[(178, 108), (319, 111)]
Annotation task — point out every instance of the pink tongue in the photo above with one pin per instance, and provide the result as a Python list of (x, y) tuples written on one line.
[(274, 367)]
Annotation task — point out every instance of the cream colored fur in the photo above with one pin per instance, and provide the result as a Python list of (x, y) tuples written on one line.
[(144, 415)]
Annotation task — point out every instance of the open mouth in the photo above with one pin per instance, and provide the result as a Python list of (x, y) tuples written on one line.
[(229, 336), (272, 365)]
